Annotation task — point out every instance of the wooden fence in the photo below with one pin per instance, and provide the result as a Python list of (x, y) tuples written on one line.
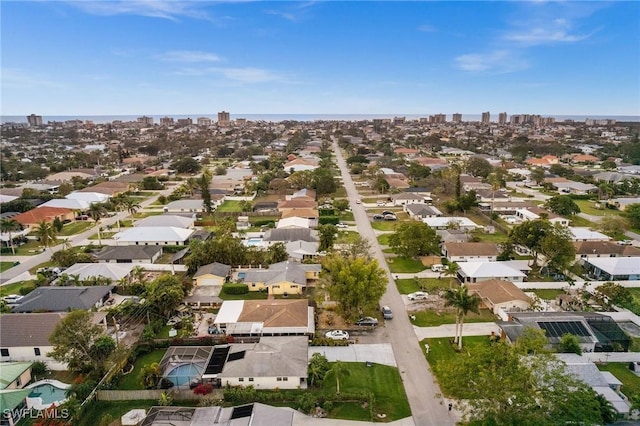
[(151, 394)]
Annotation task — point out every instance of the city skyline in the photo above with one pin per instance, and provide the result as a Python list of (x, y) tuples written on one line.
[(134, 57)]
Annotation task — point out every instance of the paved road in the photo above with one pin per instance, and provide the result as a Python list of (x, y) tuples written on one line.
[(427, 405), (74, 241)]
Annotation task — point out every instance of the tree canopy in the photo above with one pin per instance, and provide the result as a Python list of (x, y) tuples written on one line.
[(478, 167), (563, 205), (186, 165), (554, 242), (356, 283), (415, 238), (632, 213)]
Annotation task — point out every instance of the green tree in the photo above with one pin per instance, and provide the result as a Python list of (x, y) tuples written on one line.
[(537, 175), (414, 238), (359, 247), (323, 181), (478, 167), (463, 303), (131, 205), (317, 369), (569, 343), (563, 205), (632, 213), (203, 183), (277, 253), (452, 272), (380, 184), (357, 284), (186, 165), (502, 387), (58, 224), (543, 238), (96, 212), (150, 375), (532, 341), (613, 225), (339, 371), (341, 204), (46, 234), (164, 294), (7, 226), (610, 293), (80, 343), (327, 234)]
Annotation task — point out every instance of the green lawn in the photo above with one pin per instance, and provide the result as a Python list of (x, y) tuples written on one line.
[(113, 409), (14, 288), (382, 380), (252, 295), (131, 380), (347, 216), (5, 265), (431, 318), (483, 237), (630, 382), (430, 285), (104, 235), (340, 193), (386, 225), (346, 237), (588, 207), (30, 248), (42, 265), (402, 265), (76, 227), (230, 206), (547, 293), (580, 221), (384, 239), (441, 351)]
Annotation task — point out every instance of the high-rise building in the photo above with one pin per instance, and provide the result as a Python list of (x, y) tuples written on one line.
[(223, 117), (486, 117), (166, 121), (204, 121), (502, 118), (34, 120), (437, 119), (147, 121), (457, 118)]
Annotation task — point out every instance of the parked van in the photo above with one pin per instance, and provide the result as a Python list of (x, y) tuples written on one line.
[(438, 268)]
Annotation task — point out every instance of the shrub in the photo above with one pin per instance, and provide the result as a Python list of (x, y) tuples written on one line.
[(236, 288), (203, 389), (328, 220)]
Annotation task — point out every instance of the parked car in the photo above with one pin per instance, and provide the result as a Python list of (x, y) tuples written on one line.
[(390, 217), (378, 217), (381, 203), (213, 330), (342, 225), (358, 201), (438, 268), (337, 335), (386, 312), (387, 212), (367, 321), (174, 320), (418, 295), (12, 299)]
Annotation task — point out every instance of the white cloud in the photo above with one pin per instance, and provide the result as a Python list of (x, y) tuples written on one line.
[(165, 9), (498, 61), (242, 75), (425, 28), (188, 56), (536, 36), (16, 78)]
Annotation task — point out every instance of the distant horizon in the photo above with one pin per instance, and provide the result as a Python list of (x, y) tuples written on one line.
[(466, 117)]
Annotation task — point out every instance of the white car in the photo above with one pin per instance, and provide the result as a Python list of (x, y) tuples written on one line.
[(337, 335), (418, 295), (342, 225)]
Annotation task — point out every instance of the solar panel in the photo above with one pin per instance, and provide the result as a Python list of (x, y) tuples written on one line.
[(236, 355), (217, 360), (560, 328), (242, 411)]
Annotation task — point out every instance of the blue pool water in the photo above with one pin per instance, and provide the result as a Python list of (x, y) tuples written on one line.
[(183, 374), (251, 242), (48, 393)]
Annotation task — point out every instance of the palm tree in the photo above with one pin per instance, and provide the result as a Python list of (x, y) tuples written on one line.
[(190, 186), (118, 203), (131, 205), (46, 234), (452, 272), (339, 370), (463, 302), (6, 227), (96, 212), (150, 375)]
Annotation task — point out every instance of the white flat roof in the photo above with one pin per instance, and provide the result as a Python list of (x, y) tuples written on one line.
[(617, 265), (489, 269), (229, 312), (587, 234), (437, 222), (154, 233)]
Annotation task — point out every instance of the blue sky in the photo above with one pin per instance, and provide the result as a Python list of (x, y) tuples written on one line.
[(168, 57)]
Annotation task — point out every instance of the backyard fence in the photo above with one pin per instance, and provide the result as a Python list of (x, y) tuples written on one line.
[(152, 394)]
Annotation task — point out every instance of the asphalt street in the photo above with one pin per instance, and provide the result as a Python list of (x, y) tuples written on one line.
[(427, 405)]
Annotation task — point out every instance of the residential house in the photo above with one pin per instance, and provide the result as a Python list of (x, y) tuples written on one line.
[(545, 162), (254, 414), (65, 203), (421, 211), (34, 217), (297, 203), (534, 213), (275, 317), (88, 197), (62, 299), (185, 206), (566, 186), (25, 336), (13, 377), (448, 222), (309, 214), (278, 362), (290, 234), (470, 252), (306, 194), (584, 159), (453, 235), (499, 295), (294, 222), (128, 254), (113, 271), (302, 250), (14, 374), (472, 272), (284, 278), (613, 268), (110, 188), (166, 220), (212, 274), (154, 235), (408, 198), (505, 207), (590, 249), (300, 164), (621, 203), (586, 234)]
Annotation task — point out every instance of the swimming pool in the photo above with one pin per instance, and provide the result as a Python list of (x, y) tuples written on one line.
[(252, 242), (183, 374), (46, 393)]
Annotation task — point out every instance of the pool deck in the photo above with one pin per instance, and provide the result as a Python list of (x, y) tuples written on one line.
[(36, 403)]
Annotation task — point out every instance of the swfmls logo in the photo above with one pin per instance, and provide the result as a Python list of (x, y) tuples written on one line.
[(53, 413)]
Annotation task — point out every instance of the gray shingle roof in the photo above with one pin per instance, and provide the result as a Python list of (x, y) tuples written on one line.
[(290, 234), (128, 252), (217, 269), (61, 299)]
